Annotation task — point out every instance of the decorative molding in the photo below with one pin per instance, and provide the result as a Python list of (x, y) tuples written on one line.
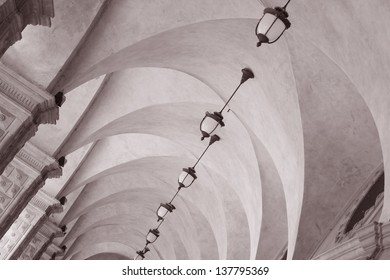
[(41, 230), (24, 106), (44, 202), (9, 242), (17, 96), (26, 157), (45, 233)]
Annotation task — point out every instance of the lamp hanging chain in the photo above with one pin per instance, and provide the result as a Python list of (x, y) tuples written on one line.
[(227, 102), (285, 6), (160, 224), (176, 193), (208, 146)]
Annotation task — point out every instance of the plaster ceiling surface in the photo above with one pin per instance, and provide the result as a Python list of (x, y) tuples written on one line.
[(300, 138)]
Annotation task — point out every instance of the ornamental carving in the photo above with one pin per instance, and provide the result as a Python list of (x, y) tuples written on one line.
[(20, 182), (41, 230), (23, 107)]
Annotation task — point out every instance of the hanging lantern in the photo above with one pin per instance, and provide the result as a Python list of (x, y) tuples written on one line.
[(163, 210), (210, 123), (187, 177), (152, 236), (272, 25), (141, 254)]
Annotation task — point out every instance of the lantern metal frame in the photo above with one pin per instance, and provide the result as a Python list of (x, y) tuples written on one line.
[(190, 171), (155, 232), (217, 116), (279, 13), (169, 206)]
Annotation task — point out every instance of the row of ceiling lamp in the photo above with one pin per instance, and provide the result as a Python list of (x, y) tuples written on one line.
[(268, 30)]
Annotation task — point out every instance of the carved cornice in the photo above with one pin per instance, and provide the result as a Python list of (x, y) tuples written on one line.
[(17, 96), (23, 92), (43, 201), (27, 106), (44, 164)]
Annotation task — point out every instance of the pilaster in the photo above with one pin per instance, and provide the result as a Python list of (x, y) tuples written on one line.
[(21, 180)]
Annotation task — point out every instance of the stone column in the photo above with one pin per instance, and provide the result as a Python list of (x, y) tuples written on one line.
[(16, 14), (21, 180), (23, 106)]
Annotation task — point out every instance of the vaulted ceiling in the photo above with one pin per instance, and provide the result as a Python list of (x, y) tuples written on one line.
[(299, 141)]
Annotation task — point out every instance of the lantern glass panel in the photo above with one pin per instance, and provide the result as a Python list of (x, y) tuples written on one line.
[(271, 26), (186, 179), (209, 125), (151, 237), (162, 211)]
